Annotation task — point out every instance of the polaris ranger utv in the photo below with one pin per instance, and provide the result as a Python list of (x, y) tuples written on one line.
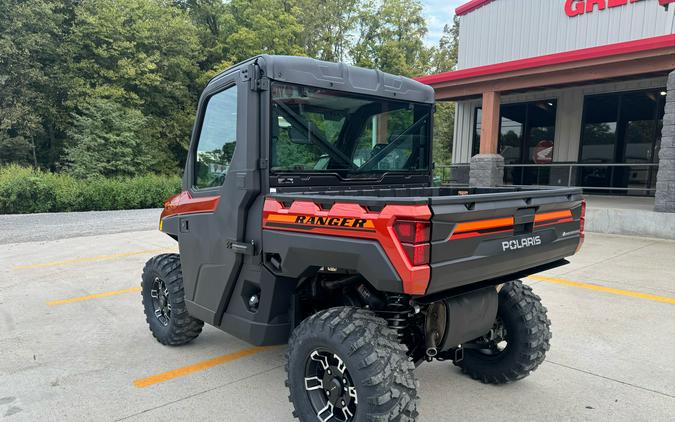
[(308, 217)]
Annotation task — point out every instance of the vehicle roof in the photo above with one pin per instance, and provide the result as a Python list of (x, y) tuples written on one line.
[(337, 76)]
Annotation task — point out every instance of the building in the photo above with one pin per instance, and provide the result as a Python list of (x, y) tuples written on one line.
[(566, 92)]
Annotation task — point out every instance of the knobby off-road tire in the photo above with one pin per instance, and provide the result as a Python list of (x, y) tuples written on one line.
[(375, 367), (527, 336), (170, 324)]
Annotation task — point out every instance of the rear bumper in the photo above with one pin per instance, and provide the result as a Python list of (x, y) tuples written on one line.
[(454, 274)]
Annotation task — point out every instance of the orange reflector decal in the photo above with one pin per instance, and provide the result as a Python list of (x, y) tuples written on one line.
[(483, 224), (545, 216)]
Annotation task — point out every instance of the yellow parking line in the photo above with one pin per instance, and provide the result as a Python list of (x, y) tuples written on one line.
[(94, 296), (89, 259), (604, 289), (195, 367)]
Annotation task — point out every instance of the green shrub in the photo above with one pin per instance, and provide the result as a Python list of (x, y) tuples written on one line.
[(24, 190)]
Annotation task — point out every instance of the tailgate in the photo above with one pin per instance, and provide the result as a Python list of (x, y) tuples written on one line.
[(480, 237)]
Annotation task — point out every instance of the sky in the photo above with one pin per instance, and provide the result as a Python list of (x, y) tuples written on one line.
[(437, 14)]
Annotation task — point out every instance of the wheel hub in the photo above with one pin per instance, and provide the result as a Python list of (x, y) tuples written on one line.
[(160, 301), (329, 387), (496, 341)]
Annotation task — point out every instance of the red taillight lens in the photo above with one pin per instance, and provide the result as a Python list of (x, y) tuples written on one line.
[(413, 231), (414, 237), (418, 254), (582, 224)]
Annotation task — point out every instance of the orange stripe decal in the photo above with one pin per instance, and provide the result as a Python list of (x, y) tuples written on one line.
[(552, 215), (483, 224), (330, 222)]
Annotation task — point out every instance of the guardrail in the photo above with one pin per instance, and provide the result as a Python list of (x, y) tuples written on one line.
[(607, 177)]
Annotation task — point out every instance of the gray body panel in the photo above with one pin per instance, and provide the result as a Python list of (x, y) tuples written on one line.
[(300, 253)]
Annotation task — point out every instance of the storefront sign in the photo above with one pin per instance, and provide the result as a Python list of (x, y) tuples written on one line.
[(579, 7)]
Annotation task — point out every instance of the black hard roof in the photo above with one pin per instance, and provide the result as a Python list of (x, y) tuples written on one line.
[(337, 76)]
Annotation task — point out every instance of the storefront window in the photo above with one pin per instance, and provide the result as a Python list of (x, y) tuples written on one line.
[(619, 129), (512, 125), (540, 132), (599, 134), (526, 133), (526, 136)]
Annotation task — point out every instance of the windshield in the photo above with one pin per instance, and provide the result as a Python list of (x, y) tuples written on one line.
[(320, 130)]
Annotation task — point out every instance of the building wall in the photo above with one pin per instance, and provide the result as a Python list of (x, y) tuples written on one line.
[(568, 118), (505, 30)]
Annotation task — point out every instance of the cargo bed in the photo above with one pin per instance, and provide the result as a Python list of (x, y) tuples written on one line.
[(478, 234)]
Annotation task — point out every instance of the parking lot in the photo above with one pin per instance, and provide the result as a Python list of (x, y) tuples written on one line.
[(74, 344)]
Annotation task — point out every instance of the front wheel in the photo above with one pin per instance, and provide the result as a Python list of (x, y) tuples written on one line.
[(517, 343), (164, 301), (345, 364)]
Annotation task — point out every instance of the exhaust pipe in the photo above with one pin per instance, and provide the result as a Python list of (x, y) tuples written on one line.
[(434, 327), (432, 344)]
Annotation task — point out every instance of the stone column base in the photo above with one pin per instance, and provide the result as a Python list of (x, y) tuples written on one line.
[(665, 178), (486, 170)]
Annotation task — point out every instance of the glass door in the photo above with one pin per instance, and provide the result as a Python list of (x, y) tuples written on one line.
[(526, 136)]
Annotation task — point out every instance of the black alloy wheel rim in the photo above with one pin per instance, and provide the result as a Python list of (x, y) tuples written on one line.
[(329, 387), (160, 301)]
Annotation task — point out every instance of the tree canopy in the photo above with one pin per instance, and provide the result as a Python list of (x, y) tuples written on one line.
[(109, 87)]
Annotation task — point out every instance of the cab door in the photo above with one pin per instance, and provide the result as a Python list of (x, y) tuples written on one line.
[(221, 171)]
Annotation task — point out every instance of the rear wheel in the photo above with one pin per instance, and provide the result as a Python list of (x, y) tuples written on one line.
[(517, 343), (164, 301), (346, 364)]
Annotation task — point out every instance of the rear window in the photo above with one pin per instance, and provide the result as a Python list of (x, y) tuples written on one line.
[(319, 130)]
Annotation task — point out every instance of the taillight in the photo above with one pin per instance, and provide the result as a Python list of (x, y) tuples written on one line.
[(417, 254), (582, 224), (413, 231), (414, 237)]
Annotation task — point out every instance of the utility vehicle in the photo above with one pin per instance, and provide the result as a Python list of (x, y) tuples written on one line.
[(308, 217)]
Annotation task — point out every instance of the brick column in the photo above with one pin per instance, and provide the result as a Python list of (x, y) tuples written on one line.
[(665, 178), (487, 168)]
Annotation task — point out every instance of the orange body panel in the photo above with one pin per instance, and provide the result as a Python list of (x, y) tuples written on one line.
[(353, 220), (185, 203)]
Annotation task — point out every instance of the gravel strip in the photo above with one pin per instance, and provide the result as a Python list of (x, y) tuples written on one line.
[(18, 228)]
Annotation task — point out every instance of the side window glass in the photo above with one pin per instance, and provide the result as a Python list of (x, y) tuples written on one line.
[(217, 139)]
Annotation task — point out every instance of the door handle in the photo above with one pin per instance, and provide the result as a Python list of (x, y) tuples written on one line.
[(241, 247)]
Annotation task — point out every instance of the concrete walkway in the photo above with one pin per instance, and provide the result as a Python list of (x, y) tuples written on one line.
[(626, 215)]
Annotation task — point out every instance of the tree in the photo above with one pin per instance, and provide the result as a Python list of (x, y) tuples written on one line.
[(445, 55), (391, 38), (214, 22), (328, 28), (444, 60), (30, 84), (63, 62), (140, 54), (263, 27), (107, 139)]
